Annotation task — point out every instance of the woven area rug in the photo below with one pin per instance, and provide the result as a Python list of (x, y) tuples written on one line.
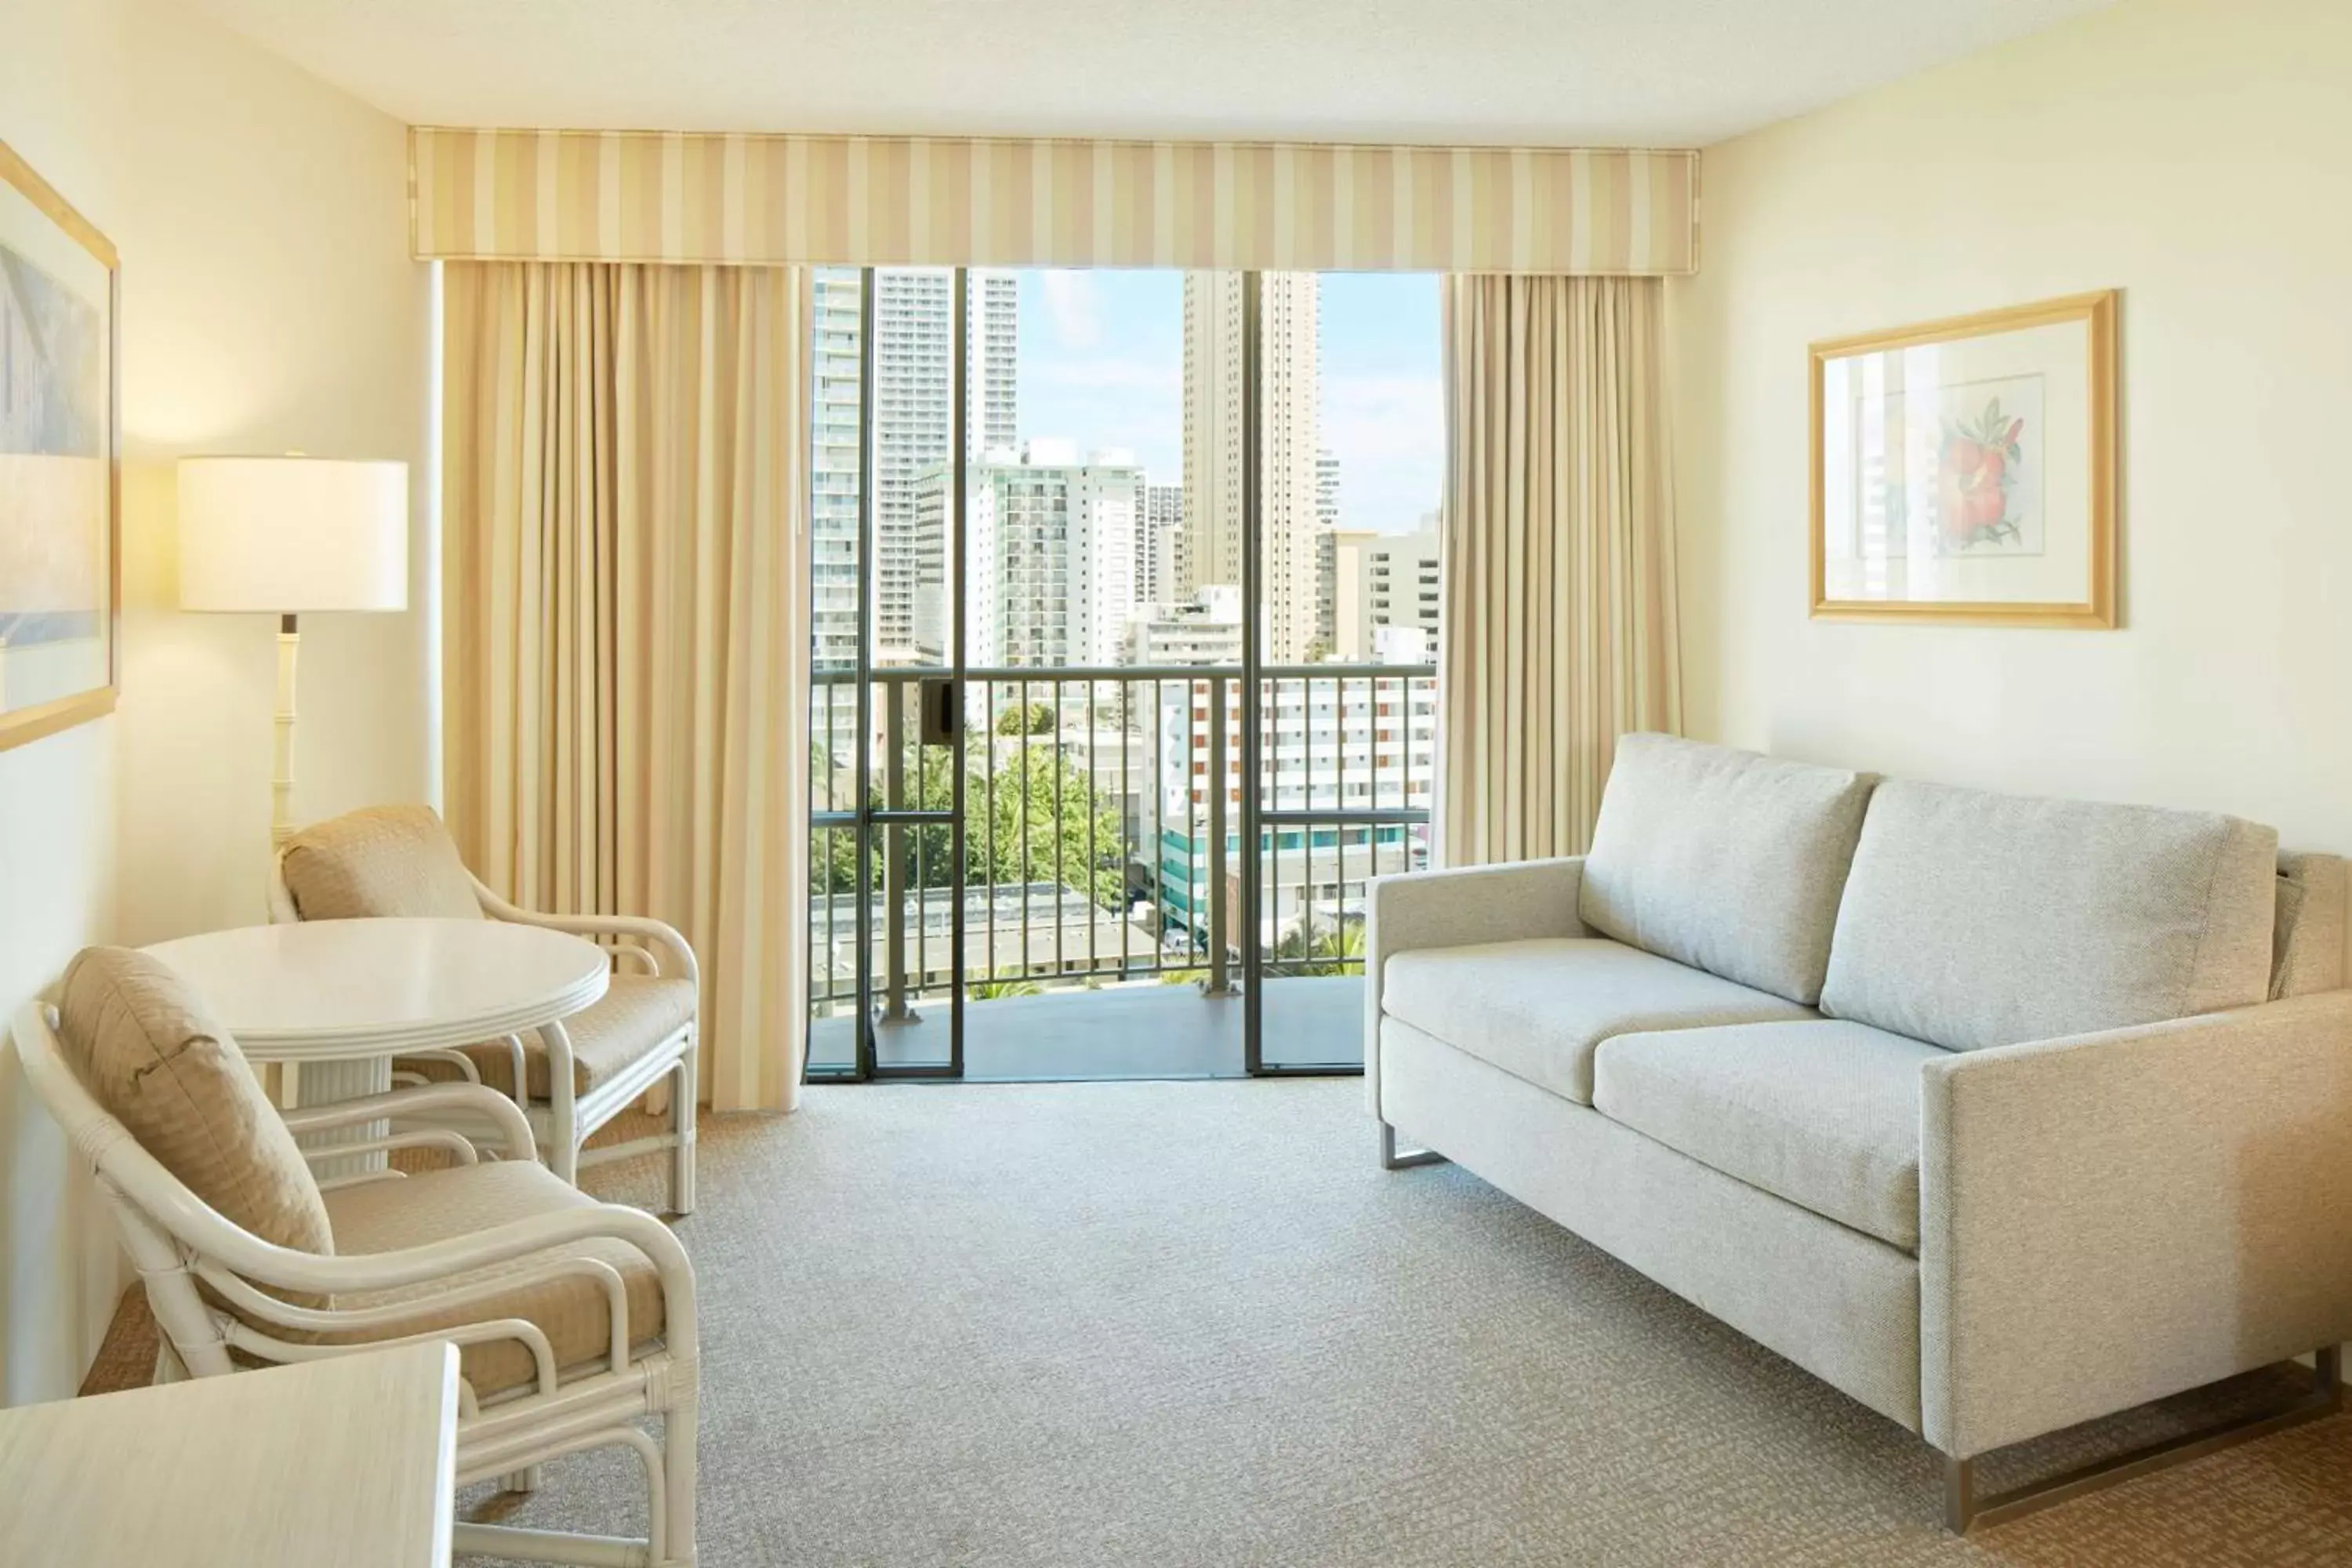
[(1193, 1323)]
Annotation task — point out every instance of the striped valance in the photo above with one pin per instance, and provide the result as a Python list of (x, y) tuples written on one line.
[(663, 196)]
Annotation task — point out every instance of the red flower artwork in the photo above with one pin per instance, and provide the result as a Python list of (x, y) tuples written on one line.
[(1977, 472)]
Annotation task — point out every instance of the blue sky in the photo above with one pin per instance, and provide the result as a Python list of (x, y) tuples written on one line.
[(1102, 364)]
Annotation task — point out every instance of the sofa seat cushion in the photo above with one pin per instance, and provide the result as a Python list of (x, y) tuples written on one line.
[(1974, 920), (1728, 860), (572, 1309), (1823, 1114), (1537, 1008)]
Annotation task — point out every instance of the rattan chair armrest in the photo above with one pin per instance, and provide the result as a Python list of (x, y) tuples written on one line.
[(432, 1099), (662, 937)]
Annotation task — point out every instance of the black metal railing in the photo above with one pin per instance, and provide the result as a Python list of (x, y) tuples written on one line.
[(1086, 839)]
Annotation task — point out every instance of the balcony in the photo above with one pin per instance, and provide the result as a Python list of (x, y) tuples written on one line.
[(1103, 908)]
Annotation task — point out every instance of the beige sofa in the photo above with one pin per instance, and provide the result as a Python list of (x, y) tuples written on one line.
[(1998, 1114)]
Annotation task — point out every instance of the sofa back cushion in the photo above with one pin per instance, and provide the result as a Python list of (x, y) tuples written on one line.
[(383, 862), (1974, 920), (1728, 862), (2307, 945), (147, 1051)]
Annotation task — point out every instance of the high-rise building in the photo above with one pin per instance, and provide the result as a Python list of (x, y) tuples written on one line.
[(913, 401), (1049, 565), (995, 360), (914, 328), (1289, 398), (1326, 557), (1159, 542), (1384, 580), (833, 471)]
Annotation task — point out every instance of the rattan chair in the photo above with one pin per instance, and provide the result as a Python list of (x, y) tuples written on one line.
[(580, 1073), (574, 1319)]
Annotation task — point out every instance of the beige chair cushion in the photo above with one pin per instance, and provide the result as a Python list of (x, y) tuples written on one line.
[(574, 1310), (383, 862), (1824, 1114), (637, 1012), (1537, 1008), (142, 1041)]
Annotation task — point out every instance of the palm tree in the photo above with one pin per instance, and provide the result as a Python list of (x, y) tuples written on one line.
[(1009, 983), (1305, 951)]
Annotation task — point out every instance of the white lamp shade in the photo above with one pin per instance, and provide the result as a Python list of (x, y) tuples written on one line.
[(284, 536)]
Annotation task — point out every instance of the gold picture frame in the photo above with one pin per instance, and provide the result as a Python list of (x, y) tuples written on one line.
[(60, 461), (1933, 502)]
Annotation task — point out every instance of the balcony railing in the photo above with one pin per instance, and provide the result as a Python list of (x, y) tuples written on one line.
[(1097, 847)]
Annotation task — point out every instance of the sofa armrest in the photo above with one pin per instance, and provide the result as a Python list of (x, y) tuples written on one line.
[(2109, 1219), (1459, 909)]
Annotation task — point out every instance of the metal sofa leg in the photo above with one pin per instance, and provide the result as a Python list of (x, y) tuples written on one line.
[(1964, 1510), (1392, 1161)]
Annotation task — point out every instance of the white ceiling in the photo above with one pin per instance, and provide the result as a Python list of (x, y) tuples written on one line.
[(1591, 72)]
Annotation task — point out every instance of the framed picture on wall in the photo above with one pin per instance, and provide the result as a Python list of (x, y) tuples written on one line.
[(1964, 469), (60, 500)]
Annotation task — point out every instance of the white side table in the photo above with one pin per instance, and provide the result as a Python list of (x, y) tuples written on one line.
[(334, 1000), (351, 1460)]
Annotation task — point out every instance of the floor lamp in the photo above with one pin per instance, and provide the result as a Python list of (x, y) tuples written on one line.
[(284, 535)]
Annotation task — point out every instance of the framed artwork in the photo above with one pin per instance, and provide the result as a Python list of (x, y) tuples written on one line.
[(1964, 469), (60, 499)]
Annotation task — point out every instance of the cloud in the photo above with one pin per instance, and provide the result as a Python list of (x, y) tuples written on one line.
[(1073, 307)]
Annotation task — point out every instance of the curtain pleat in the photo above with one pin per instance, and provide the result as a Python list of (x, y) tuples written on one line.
[(625, 622), (1558, 557)]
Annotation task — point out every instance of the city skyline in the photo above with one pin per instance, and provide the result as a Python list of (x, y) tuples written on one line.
[(1121, 371), (1101, 364)]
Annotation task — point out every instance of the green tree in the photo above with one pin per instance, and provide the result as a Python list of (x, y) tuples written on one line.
[(1027, 818), (833, 851), (1033, 818), (1037, 719)]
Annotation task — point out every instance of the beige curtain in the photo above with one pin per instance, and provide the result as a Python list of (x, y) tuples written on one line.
[(1558, 555), (626, 642)]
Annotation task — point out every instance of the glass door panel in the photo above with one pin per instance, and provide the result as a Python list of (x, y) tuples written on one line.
[(1350, 473), (839, 875), (1089, 673)]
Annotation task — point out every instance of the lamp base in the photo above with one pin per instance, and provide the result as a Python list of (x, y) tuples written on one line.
[(281, 778)]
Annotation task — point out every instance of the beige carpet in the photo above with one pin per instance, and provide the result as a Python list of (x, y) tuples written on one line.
[(1193, 1323)]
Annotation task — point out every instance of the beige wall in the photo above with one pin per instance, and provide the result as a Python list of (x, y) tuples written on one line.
[(267, 305), (2191, 152)]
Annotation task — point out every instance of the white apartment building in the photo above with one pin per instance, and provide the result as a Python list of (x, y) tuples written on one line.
[(1208, 630), (1049, 567), (833, 471), (1384, 580), (913, 321), (1158, 543), (1289, 410), (1330, 744)]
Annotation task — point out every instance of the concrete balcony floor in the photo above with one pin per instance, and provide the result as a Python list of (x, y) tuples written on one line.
[(1131, 1031)]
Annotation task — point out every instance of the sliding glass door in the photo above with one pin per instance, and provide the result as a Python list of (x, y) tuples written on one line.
[(1122, 684)]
